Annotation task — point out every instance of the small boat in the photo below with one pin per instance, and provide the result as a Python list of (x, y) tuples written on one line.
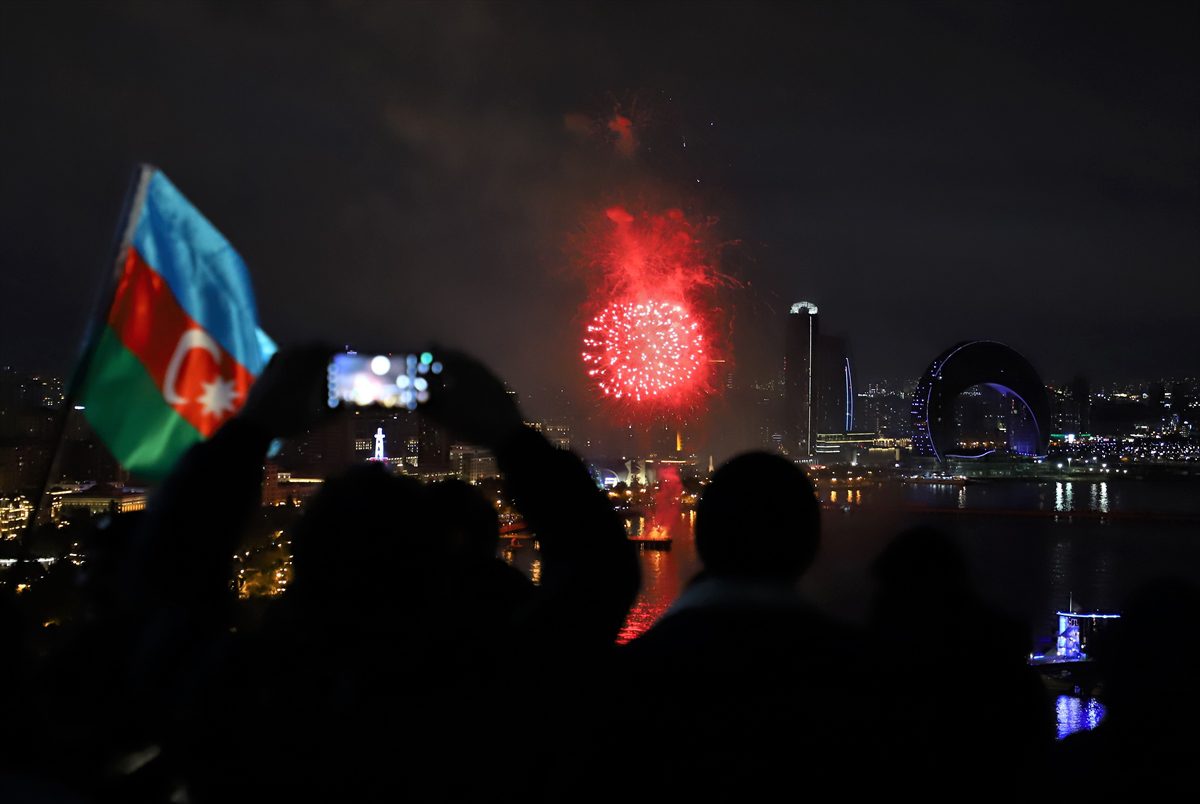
[(1068, 667), (657, 538)]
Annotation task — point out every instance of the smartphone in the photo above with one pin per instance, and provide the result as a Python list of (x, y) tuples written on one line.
[(387, 380)]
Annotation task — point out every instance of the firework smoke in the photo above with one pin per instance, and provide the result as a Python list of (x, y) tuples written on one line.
[(649, 340)]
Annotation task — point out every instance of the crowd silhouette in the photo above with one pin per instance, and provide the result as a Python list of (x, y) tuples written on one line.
[(381, 674)]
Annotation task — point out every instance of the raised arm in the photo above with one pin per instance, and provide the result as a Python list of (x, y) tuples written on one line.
[(178, 581), (589, 570)]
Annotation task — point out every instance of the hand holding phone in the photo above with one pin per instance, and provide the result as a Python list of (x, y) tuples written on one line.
[(286, 399), (473, 403)]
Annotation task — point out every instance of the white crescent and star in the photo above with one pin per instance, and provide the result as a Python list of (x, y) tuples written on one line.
[(219, 396)]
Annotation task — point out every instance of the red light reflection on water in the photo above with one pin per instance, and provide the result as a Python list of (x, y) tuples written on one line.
[(664, 574)]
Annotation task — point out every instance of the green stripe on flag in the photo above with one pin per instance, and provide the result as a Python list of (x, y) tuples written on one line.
[(127, 410)]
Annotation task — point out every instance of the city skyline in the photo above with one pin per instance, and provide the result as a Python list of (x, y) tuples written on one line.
[(665, 391), (882, 411), (976, 201)]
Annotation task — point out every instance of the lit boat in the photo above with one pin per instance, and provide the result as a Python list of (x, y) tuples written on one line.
[(1068, 667), (658, 538)]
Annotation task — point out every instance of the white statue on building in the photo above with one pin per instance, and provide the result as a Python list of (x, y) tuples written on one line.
[(379, 456)]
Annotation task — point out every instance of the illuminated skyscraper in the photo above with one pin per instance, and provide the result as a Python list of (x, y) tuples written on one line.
[(799, 361), (818, 382), (833, 383)]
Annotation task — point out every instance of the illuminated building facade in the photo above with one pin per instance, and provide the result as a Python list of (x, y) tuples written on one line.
[(282, 488), (472, 464), (14, 513), (844, 447), (883, 411), (557, 433), (834, 398), (973, 363), (1072, 407), (101, 499), (22, 391)]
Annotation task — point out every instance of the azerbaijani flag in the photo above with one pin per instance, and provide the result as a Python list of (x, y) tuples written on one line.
[(181, 344)]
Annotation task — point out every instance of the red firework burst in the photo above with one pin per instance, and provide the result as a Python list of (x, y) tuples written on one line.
[(645, 351), (653, 328)]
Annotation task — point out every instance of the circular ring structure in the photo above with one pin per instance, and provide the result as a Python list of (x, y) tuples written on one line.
[(977, 363)]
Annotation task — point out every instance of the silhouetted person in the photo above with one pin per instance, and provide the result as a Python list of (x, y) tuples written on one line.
[(72, 725), (958, 702), (743, 690), (468, 526), (1146, 745), (13, 657), (482, 592), (88, 732), (372, 678)]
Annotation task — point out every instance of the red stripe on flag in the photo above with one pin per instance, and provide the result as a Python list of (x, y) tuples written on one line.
[(193, 373)]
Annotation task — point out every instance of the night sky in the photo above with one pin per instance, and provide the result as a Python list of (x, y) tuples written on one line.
[(400, 173)]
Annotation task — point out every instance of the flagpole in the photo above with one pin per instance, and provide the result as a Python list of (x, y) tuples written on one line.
[(135, 194)]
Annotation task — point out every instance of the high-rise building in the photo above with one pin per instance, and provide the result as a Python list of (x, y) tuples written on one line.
[(19, 389), (14, 514), (883, 411), (1081, 395), (472, 464), (818, 382), (799, 360), (1071, 407), (834, 381), (433, 447)]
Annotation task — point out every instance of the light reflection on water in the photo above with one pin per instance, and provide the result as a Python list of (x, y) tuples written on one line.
[(664, 573), (1089, 548), (1073, 714), (1064, 496), (847, 497)]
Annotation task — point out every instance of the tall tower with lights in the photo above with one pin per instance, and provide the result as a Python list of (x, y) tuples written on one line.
[(799, 362)]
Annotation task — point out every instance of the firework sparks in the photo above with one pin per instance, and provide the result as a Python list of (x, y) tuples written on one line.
[(648, 343), (644, 351)]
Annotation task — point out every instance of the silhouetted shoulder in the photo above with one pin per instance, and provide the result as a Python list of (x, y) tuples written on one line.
[(719, 625)]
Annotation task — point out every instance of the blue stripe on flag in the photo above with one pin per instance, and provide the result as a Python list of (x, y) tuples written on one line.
[(204, 272)]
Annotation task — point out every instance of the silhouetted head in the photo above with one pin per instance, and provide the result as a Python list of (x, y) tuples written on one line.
[(926, 601), (465, 523), (758, 518), (361, 529), (922, 568)]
